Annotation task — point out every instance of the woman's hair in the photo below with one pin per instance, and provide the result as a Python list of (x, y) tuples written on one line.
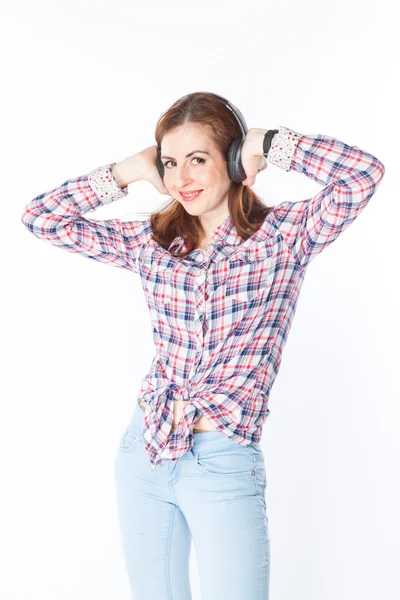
[(247, 210)]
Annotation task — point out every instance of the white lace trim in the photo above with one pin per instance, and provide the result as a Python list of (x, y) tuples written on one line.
[(105, 185), (282, 147)]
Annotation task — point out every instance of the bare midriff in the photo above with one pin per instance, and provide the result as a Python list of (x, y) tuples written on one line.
[(202, 424)]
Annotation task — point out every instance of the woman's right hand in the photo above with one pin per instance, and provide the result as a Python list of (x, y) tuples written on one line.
[(148, 167), (140, 166)]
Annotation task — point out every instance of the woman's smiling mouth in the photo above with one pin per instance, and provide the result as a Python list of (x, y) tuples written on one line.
[(188, 197)]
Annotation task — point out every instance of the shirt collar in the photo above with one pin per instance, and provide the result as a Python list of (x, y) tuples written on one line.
[(224, 235)]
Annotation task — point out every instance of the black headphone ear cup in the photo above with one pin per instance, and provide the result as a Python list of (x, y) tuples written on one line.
[(159, 163), (235, 168)]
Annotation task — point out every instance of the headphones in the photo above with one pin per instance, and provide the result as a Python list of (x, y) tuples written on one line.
[(235, 169)]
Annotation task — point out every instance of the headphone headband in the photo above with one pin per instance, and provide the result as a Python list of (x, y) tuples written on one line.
[(235, 111)]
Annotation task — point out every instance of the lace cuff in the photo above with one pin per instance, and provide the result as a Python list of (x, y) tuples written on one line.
[(104, 185), (283, 147)]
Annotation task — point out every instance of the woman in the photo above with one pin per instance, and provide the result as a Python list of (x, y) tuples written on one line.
[(221, 273)]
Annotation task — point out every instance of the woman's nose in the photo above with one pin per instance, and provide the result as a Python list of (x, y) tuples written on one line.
[(182, 176)]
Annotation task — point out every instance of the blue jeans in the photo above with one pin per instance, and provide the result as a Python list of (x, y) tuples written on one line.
[(215, 494)]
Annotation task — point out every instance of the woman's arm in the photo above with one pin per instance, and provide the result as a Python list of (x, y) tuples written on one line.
[(56, 216), (350, 175)]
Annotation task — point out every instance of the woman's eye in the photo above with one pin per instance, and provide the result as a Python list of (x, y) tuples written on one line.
[(194, 158), (198, 158)]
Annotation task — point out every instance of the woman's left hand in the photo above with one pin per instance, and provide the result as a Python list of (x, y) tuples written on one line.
[(252, 157)]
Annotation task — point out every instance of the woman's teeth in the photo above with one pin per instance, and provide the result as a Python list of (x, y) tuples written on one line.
[(191, 196)]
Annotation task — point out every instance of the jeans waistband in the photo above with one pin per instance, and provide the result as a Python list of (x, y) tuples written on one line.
[(203, 441)]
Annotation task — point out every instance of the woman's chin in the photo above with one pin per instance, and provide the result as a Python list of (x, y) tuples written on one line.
[(195, 211)]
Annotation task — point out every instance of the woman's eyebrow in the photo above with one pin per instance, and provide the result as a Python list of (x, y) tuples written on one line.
[(190, 154)]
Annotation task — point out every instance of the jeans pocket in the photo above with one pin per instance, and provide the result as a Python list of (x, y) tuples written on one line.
[(129, 440), (236, 461)]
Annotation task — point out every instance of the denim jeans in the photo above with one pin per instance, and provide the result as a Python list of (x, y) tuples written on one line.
[(214, 494)]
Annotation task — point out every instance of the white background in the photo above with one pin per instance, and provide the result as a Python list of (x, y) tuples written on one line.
[(83, 85)]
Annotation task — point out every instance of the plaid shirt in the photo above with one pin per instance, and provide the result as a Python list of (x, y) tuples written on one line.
[(220, 316)]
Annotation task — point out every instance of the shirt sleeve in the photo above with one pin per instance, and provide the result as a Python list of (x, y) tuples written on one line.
[(57, 217), (350, 175)]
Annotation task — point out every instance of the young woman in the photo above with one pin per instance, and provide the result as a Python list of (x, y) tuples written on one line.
[(222, 273)]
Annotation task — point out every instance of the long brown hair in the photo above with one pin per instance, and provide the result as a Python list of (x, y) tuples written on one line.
[(246, 209)]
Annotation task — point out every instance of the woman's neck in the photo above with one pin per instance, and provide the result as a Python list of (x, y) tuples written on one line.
[(203, 243), (208, 224)]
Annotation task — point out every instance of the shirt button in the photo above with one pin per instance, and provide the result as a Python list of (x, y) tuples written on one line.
[(200, 256)]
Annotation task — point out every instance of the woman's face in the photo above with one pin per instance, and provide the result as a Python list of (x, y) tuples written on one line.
[(205, 169)]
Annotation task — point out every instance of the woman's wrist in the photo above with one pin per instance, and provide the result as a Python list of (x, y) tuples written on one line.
[(268, 139), (127, 171), (259, 138)]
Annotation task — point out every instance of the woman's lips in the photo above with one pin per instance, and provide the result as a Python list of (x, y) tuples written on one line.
[(191, 197)]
